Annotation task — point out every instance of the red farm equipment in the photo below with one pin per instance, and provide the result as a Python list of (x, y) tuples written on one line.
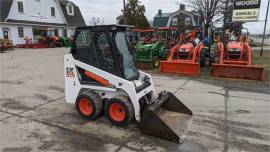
[(167, 36), (183, 59), (235, 62)]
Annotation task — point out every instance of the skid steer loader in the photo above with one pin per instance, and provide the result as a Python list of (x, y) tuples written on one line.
[(100, 75)]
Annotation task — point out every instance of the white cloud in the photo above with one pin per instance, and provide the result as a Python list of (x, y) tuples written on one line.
[(110, 9)]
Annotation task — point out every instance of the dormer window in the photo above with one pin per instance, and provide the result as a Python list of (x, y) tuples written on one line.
[(174, 21), (53, 11), (20, 6), (187, 21), (70, 9)]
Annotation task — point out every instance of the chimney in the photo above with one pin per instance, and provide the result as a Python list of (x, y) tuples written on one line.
[(182, 7), (159, 12)]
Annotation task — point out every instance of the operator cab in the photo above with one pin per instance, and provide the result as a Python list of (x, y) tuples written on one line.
[(105, 47)]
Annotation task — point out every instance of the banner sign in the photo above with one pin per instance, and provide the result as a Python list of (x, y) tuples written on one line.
[(246, 10)]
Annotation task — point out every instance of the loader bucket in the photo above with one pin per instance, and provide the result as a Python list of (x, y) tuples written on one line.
[(238, 71), (185, 68), (168, 118)]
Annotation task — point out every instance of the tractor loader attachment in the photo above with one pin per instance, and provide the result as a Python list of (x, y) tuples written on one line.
[(167, 118), (185, 68), (183, 59), (238, 71), (235, 62)]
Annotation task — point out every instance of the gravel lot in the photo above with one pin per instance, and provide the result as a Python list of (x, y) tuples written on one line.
[(229, 115)]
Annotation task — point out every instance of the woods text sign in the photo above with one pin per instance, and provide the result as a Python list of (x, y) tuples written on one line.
[(246, 10)]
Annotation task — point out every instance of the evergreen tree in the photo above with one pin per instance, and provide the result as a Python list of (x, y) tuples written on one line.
[(134, 15)]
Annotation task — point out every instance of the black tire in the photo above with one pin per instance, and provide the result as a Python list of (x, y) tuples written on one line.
[(127, 106), (165, 53), (211, 61), (202, 61), (95, 101), (156, 62)]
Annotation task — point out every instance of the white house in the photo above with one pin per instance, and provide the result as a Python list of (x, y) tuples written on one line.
[(36, 18)]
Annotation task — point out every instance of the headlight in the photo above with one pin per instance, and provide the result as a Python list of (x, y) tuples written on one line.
[(182, 50), (234, 50)]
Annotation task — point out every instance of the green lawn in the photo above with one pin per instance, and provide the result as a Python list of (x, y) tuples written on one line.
[(262, 60)]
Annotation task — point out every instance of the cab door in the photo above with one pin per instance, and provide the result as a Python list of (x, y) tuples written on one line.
[(95, 48)]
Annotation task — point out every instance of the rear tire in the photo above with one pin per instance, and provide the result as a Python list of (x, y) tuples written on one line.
[(202, 59), (89, 104), (119, 110), (156, 62)]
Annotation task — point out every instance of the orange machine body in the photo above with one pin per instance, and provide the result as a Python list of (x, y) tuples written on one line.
[(235, 62), (183, 59)]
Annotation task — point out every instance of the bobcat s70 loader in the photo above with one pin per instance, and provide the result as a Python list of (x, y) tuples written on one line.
[(100, 76)]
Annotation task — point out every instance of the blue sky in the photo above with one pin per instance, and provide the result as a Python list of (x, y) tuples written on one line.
[(108, 10)]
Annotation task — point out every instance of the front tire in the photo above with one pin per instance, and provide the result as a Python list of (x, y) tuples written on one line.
[(156, 62), (119, 110)]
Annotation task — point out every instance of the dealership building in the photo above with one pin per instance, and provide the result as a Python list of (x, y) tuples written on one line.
[(36, 18)]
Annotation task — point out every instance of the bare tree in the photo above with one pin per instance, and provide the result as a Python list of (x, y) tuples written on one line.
[(96, 20), (209, 10), (227, 8)]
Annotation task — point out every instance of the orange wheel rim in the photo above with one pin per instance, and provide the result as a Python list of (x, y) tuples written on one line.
[(117, 112), (85, 106)]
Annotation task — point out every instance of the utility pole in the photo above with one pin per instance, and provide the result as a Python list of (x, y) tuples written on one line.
[(124, 3), (264, 27), (124, 7)]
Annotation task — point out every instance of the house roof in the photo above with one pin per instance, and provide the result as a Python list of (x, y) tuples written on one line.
[(72, 21), (163, 15), (5, 6), (161, 20)]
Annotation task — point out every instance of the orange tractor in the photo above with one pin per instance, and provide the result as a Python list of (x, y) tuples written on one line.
[(235, 59), (183, 59), (235, 62)]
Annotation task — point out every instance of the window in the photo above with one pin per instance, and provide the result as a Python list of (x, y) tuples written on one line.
[(56, 32), (94, 49), (52, 11), (104, 51), (187, 21), (83, 40), (122, 43), (20, 31), (72, 32), (65, 33), (70, 9), (20, 6), (174, 21)]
